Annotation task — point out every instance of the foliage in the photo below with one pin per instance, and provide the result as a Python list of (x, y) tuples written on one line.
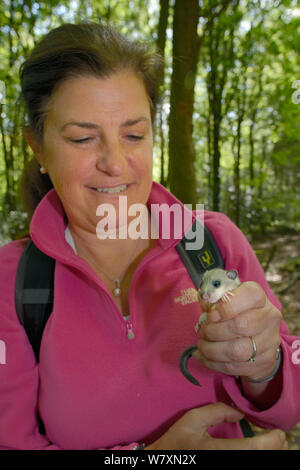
[(250, 50)]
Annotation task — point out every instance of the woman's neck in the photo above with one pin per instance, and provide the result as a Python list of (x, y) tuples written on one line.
[(113, 257), (115, 261)]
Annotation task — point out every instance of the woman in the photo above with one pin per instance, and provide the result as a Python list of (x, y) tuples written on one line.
[(108, 375)]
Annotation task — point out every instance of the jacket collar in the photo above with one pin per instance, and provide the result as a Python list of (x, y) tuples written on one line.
[(48, 224)]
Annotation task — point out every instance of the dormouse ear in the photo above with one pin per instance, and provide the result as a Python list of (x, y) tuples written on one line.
[(232, 274)]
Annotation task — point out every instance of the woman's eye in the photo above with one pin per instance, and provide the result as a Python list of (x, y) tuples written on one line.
[(134, 138), (82, 141)]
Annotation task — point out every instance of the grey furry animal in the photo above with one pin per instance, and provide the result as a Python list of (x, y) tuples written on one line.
[(217, 284)]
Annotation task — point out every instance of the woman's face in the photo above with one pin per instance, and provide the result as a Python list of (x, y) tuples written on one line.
[(97, 145)]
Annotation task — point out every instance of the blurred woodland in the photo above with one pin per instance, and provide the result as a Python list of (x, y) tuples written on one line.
[(228, 125)]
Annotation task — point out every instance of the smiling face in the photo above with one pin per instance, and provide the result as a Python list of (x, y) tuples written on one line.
[(97, 145)]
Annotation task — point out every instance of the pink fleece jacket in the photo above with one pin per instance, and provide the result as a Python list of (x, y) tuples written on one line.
[(98, 387)]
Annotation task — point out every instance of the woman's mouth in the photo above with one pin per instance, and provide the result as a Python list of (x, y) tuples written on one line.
[(112, 190)]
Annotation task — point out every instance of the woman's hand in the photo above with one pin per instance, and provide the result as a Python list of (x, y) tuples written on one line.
[(226, 346), (190, 432)]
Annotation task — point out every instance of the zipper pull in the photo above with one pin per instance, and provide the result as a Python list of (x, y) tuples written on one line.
[(130, 333)]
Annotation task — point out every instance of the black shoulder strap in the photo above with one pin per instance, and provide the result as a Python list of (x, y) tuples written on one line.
[(34, 292), (197, 262)]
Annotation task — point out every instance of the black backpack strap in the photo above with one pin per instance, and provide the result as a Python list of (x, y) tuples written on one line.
[(34, 293), (246, 428), (199, 261)]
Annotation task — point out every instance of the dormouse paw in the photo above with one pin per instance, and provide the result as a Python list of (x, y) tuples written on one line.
[(226, 297), (202, 319)]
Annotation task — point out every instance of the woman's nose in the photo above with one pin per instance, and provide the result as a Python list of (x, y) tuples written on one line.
[(111, 159)]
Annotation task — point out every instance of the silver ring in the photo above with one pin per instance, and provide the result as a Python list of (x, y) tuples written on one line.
[(252, 358)]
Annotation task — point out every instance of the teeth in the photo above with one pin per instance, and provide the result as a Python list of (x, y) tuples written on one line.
[(117, 189)]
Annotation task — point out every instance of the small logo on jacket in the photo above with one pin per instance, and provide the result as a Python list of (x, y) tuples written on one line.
[(188, 296), (206, 259)]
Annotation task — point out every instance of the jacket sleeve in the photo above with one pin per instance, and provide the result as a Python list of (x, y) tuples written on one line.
[(19, 375), (285, 413)]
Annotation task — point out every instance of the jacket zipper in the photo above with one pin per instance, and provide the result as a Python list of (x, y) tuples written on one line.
[(130, 333), (128, 323)]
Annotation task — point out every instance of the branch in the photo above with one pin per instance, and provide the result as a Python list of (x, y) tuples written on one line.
[(294, 278), (5, 152), (211, 17)]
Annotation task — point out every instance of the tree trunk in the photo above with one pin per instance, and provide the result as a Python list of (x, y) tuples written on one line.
[(254, 108), (210, 156), (251, 146), (182, 178), (161, 43), (186, 45), (7, 198), (220, 60), (237, 176)]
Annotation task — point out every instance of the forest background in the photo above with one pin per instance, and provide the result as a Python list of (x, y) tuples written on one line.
[(228, 127), (227, 130)]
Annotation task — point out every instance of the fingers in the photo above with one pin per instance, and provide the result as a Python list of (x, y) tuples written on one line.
[(248, 323), (225, 345), (202, 418), (190, 432), (273, 440), (244, 309), (262, 366), (212, 415), (240, 349), (248, 296)]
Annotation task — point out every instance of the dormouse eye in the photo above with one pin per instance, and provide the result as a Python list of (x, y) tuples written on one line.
[(216, 283)]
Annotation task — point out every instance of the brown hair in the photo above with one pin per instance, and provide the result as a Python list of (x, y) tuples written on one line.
[(85, 49)]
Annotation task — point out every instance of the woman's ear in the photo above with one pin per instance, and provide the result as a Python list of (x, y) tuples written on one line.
[(33, 144)]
